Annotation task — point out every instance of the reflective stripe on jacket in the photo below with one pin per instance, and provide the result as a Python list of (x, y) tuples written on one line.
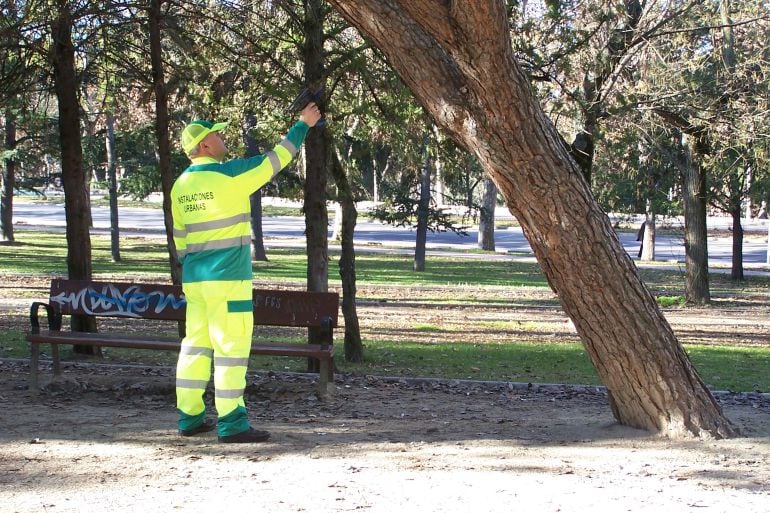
[(211, 210)]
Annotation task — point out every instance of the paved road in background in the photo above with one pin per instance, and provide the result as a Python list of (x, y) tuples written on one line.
[(289, 231)]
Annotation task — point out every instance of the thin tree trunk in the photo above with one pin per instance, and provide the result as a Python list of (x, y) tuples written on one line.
[(354, 349), (748, 179), (76, 202), (695, 229), (582, 149), (594, 86), (647, 248), (258, 253), (9, 181), (736, 273), (439, 194), (422, 210), (738, 187), (155, 21), (337, 222), (112, 187), (486, 238), (648, 240), (317, 155), (450, 54)]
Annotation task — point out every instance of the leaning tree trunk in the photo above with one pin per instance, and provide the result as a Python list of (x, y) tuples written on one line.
[(76, 204), (456, 57)]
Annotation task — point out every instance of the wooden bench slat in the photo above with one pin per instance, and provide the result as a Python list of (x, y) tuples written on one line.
[(139, 342), (102, 340)]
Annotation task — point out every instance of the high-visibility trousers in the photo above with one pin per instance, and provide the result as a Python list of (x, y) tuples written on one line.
[(220, 323)]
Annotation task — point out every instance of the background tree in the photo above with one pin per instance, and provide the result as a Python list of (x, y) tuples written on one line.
[(692, 83), (155, 19), (740, 84), (9, 177), (486, 237), (12, 72), (581, 57)]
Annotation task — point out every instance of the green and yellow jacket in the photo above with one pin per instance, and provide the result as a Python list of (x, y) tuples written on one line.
[(211, 210)]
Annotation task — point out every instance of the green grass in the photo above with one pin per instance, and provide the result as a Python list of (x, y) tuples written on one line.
[(521, 362), (669, 301), (722, 368), (668, 282), (456, 280), (739, 369), (46, 253), (398, 269)]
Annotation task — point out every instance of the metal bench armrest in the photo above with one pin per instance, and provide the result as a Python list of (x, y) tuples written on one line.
[(327, 332), (53, 316)]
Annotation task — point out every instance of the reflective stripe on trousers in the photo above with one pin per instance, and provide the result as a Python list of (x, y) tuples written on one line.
[(219, 326)]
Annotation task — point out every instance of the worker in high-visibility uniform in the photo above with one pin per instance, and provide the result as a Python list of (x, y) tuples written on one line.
[(211, 211)]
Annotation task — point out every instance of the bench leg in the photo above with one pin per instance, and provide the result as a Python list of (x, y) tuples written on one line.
[(34, 357), (325, 384)]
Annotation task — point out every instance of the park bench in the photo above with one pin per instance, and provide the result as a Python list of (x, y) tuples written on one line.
[(144, 301)]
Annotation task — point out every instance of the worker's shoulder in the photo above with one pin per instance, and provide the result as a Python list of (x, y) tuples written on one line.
[(236, 167)]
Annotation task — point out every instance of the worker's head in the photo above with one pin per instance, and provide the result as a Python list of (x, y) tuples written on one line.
[(201, 139)]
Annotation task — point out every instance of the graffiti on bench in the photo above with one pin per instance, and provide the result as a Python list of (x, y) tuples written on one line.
[(131, 301), (264, 301), (291, 308)]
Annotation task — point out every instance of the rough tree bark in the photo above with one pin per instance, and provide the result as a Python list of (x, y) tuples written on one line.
[(694, 189), (693, 146), (76, 201), (456, 57)]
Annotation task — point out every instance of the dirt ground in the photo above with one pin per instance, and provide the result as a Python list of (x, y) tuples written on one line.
[(104, 438)]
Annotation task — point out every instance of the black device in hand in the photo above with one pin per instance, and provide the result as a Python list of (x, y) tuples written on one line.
[(306, 96)]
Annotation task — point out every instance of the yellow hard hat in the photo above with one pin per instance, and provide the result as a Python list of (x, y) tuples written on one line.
[(195, 131)]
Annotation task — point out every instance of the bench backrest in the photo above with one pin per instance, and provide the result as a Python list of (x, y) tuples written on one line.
[(166, 302)]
